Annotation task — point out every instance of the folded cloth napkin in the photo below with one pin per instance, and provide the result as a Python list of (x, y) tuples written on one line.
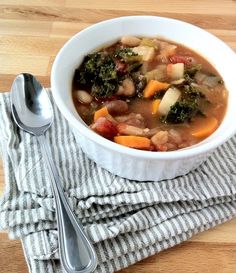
[(127, 221)]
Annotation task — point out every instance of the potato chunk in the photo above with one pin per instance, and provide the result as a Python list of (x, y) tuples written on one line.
[(146, 52), (130, 41), (169, 99)]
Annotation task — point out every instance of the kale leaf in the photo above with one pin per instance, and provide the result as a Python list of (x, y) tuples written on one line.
[(121, 53), (127, 55), (191, 99), (181, 111), (192, 70), (140, 82), (191, 92), (98, 73), (159, 95), (187, 107)]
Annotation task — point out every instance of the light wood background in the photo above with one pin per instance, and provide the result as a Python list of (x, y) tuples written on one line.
[(32, 32)]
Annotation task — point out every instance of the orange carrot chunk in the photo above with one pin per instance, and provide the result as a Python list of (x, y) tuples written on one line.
[(133, 141), (155, 106), (209, 126), (103, 112), (153, 87)]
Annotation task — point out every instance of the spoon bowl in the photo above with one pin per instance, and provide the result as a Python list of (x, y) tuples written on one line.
[(31, 107)]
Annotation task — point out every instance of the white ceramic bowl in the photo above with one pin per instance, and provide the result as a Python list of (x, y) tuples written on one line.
[(127, 162)]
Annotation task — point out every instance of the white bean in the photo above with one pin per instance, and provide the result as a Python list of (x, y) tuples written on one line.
[(127, 88), (130, 130), (160, 138), (133, 119), (83, 97), (175, 136)]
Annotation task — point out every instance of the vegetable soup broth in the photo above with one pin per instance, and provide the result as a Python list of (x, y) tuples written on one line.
[(151, 94)]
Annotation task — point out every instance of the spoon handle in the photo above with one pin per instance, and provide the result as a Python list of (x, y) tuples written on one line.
[(76, 252)]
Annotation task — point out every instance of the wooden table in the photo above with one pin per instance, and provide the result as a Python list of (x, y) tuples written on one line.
[(31, 33)]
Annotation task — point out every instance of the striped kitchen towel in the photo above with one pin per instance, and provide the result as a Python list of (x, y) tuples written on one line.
[(127, 221)]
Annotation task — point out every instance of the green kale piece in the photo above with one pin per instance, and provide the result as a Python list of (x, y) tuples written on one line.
[(181, 111), (134, 67), (188, 79), (192, 70), (220, 80), (191, 92), (122, 53), (98, 73), (103, 90), (107, 72), (127, 55), (140, 86), (159, 95), (140, 82), (191, 99), (187, 107)]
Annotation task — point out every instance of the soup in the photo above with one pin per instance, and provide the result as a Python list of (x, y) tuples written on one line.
[(149, 94)]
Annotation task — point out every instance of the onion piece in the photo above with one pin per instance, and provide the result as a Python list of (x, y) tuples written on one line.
[(199, 77), (211, 81), (149, 42), (156, 74), (170, 98), (202, 88)]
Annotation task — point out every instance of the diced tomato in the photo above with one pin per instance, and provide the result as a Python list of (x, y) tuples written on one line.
[(152, 148), (161, 148), (181, 59), (121, 127), (105, 128)]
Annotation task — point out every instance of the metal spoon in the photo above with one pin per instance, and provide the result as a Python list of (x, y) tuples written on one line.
[(32, 112)]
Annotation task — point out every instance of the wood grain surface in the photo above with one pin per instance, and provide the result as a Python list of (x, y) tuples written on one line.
[(32, 32)]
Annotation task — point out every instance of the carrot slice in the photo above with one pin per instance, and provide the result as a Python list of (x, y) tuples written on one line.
[(153, 87), (155, 106), (133, 141), (207, 129), (103, 112)]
